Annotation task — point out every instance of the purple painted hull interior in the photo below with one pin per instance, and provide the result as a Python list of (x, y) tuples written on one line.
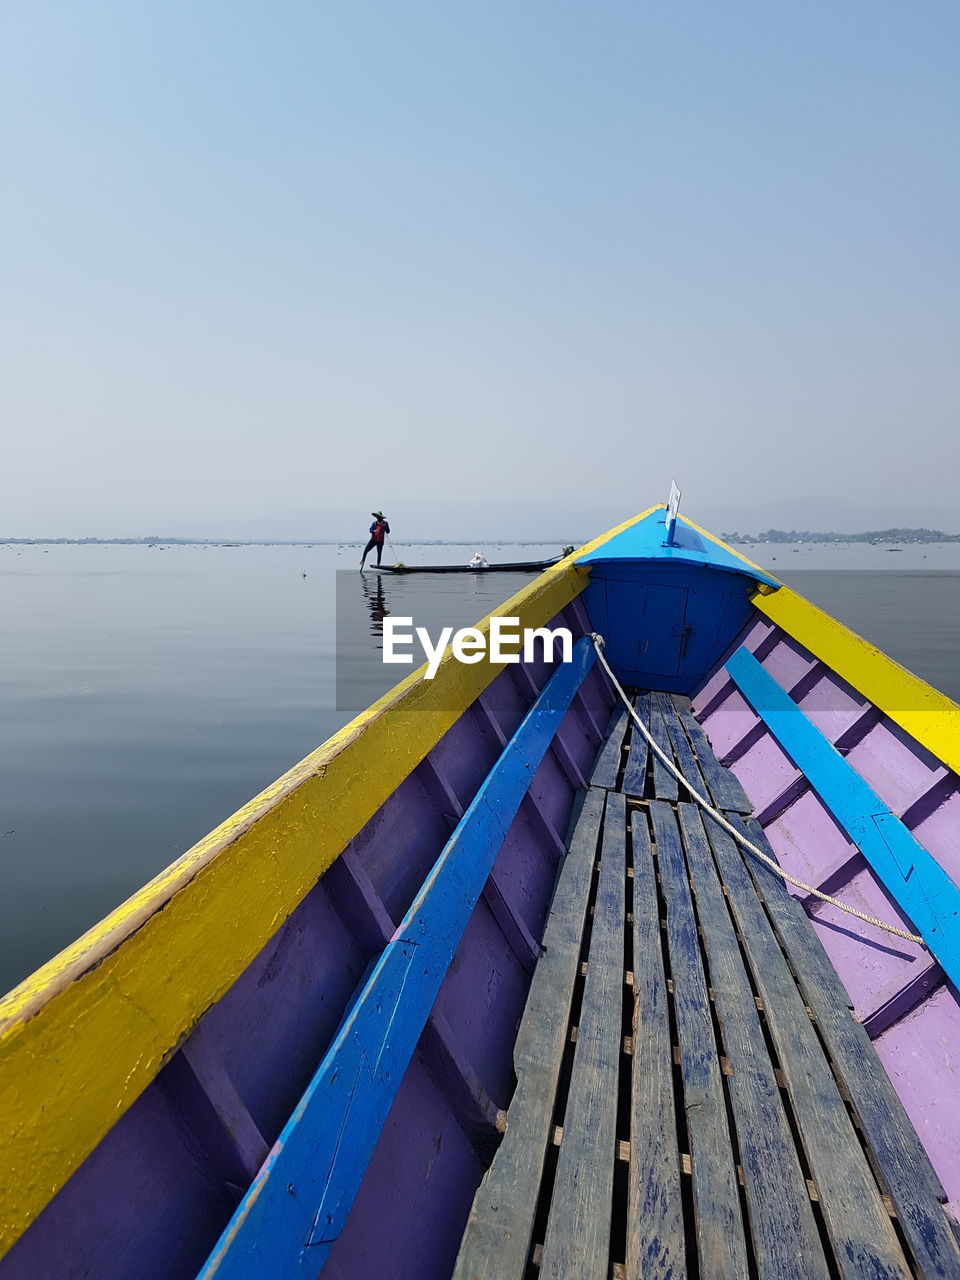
[(898, 991), (153, 1198), (168, 1149)]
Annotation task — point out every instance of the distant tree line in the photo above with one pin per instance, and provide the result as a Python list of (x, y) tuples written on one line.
[(147, 542), (871, 535), (270, 542), (112, 542)]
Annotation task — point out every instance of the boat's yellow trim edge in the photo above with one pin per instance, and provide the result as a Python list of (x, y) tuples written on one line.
[(928, 716), (83, 1037)]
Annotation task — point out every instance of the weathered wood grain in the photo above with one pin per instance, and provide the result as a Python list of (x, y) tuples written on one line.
[(655, 1234), (497, 1240), (782, 1226), (606, 768), (635, 771), (719, 1224), (865, 1244), (665, 785), (683, 753), (724, 786), (577, 1243)]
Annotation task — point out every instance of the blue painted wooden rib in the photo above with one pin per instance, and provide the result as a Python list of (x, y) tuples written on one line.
[(915, 880), (297, 1206)]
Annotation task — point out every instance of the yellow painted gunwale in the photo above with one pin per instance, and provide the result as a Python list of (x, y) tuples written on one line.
[(927, 715), (83, 1037)]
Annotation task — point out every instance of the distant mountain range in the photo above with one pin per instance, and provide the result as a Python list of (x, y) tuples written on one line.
[(871, 535)]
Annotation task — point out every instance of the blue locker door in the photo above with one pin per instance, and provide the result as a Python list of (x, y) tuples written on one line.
[(662, 635)]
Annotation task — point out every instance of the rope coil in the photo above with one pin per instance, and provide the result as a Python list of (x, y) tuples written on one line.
[(598, 643)]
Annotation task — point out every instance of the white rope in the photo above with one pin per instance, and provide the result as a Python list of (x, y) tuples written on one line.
[(598, 643)]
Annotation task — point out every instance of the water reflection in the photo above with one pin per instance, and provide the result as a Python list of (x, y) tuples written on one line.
[(376, 603)]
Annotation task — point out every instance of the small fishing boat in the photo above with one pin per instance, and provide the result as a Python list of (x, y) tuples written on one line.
[(506, 979), (516, 566)]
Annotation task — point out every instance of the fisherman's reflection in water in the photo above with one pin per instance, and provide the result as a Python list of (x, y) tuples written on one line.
[(377, 604)]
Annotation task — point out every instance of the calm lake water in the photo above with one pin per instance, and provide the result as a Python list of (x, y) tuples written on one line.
[(145, 694)]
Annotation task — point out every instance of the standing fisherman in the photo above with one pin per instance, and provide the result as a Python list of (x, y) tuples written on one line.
[(378, 531)]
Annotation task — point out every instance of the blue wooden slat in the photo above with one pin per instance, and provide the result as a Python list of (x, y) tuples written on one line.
[(913, 878), (297, 1206)]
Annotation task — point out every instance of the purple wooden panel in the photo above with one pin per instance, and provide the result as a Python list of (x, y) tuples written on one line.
[(142, 1205), (402, 841), (463, 757), (808, 842), (598, 695), (764, 771), (832, 706), (732, 721), (574, 616), (717, 683), (940, 833), (482, 998), (407, 1220), (756, 632), (294, 994), (505, 703), (921, 1055), (578, 737), (410, 1211), (787, 662), (540, 671), (553, 793), (525, 871), (200, 1083), (717, 687), (894, 765), (889, 980), (873, 965)]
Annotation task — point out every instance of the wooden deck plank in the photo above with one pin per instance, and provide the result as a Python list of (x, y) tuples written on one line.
[(606, 768), (778, 1233), (683, 753), (719, 1224), (635, 773), (785, 1237), (910, 1179), (665, 786), (577, 1243), (724, 785), (655, 1233), (498, 1236), (864, 1242)]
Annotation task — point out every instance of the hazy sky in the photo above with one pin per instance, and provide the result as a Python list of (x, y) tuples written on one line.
[(266, 266)]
